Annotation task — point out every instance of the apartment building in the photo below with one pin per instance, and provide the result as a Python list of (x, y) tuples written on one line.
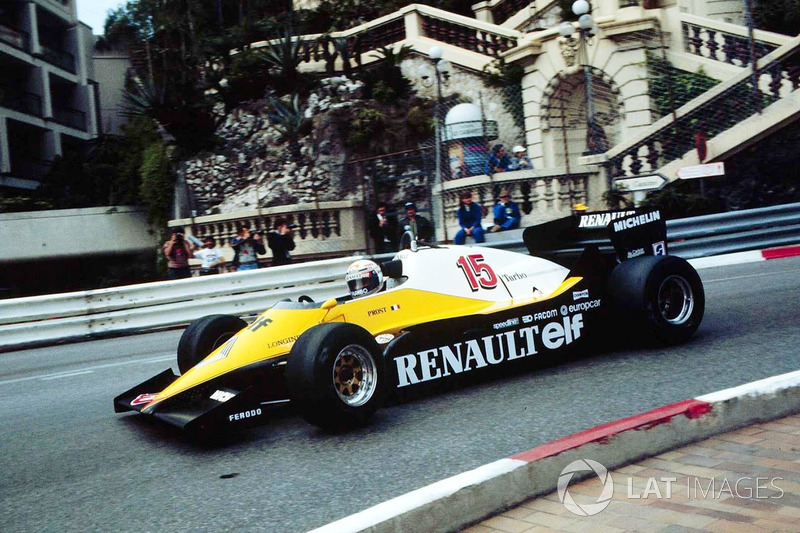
[(48, 93)]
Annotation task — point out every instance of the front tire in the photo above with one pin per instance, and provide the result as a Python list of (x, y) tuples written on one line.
[(205, 335), (336, 375), (658, 297)]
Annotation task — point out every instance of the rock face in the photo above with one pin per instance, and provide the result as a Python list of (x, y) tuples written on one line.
[(254, 164)]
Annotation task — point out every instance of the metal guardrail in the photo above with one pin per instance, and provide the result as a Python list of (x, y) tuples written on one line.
[(736, 231), (45, 319), (720, 233)]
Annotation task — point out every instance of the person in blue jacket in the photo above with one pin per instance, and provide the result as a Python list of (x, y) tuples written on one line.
[(506, 213), (469, 218), (498, 160)]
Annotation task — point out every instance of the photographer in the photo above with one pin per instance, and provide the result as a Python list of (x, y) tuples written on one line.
[(210, 256), (177, 252), (246, 246), (281, 242)]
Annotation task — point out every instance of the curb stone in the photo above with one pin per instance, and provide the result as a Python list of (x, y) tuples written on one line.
[(467, 498)]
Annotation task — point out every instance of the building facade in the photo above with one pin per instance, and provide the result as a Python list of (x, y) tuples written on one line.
[(48, 93)]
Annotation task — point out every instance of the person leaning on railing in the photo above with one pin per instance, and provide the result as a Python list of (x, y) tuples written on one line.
[(520, 161), (498, 160)]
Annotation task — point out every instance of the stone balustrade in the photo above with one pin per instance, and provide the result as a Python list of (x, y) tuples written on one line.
[(724, 42), (325, 230), (319, 52), (542, 195)]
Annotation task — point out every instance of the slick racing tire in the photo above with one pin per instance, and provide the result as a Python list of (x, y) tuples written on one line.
[(657, 297), (336, 375), (205, 335)]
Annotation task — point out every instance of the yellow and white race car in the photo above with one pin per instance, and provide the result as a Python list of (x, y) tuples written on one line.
[(426, 318)]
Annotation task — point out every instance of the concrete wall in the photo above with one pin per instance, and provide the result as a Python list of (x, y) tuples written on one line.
[(731, 11), (111, 68), (71, 233)]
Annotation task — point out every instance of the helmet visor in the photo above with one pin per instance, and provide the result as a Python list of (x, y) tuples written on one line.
[(363, 282)]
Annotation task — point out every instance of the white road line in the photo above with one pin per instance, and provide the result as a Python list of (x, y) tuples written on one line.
[(89, 370), (761, 274), (59, 376)]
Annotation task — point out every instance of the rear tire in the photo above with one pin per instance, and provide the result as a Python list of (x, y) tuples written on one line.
[(205, 335), (657, 297), (336, 375)]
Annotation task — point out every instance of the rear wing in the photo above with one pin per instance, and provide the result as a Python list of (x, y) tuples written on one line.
[(623, 234)]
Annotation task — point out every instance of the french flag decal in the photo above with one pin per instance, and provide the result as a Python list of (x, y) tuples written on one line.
[(395, 307)]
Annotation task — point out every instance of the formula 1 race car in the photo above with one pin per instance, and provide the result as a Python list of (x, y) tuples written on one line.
[(429, 316)]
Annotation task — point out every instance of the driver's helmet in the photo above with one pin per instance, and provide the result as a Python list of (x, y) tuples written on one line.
[(363, 277)]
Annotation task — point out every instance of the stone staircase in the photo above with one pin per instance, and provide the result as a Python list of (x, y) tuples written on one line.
[(732, 114)]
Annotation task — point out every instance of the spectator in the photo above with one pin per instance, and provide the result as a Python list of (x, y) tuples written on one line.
[(520, 161), (498, 160), (246, 247), (281, 242), (469, 216), (506, 213), (177, 252), (383, 230), (420, 227), (210, 257)]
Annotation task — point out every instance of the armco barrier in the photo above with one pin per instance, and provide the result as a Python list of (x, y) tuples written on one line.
[(45, 319), (716, 234), (736, 231)]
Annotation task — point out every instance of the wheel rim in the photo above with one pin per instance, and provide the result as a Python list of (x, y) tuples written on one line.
[(220, 340), (675, 300), (354, 376)]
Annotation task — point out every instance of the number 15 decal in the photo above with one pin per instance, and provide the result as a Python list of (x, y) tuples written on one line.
[(477, 272)]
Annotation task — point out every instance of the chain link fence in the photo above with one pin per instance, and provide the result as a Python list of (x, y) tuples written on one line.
[(459, 148)]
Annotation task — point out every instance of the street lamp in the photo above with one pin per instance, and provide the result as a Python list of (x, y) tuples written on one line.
[(572, 47), (441, 71)]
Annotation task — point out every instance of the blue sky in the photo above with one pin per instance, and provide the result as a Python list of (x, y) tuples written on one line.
[(93, 12)]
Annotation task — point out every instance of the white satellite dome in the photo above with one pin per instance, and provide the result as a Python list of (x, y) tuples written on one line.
[(463, 113)]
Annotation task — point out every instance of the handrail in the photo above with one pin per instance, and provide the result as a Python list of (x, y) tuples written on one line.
[(701, 34), (667, 139), (88, 314), (433, 23)]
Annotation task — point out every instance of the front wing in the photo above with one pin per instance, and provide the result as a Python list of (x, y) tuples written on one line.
[(236, 400)]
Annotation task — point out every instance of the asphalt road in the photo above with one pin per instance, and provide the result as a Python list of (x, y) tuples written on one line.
[(69, 463)]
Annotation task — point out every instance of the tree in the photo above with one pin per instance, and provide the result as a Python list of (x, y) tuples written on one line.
[(290, 121), (781, 16), (385, 81)]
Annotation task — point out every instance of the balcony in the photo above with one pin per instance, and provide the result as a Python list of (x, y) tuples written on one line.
[(24, 102), (63, 4), (59, 58), (14, 37), (32, 168), (67, 116)]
